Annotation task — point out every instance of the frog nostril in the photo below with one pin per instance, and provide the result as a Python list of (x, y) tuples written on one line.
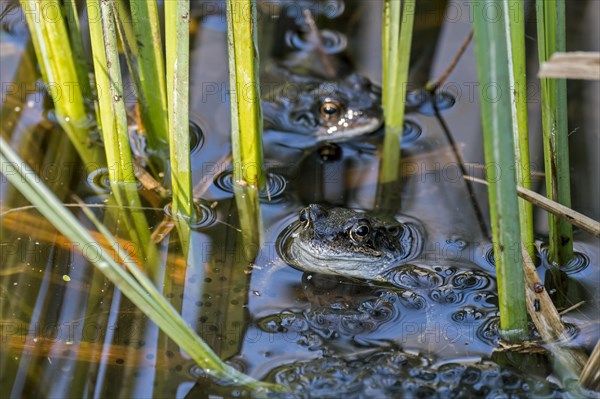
[(305, 118), (395, 231)]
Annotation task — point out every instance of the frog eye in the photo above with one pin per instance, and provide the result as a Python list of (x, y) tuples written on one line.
[(304, 219), (330, 110), (360, 232)]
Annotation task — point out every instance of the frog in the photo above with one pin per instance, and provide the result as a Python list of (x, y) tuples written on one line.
[(351, 243), (324, 110)]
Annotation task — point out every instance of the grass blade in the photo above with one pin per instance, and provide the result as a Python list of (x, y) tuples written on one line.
[(136, 286), (491, 47), (551, 39)]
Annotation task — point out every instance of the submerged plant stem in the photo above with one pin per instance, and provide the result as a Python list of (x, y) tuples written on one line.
[(433, 86), (491, 45), (114, 127), (551, 39)]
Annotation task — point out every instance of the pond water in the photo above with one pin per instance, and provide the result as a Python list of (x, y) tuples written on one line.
[(431, 329)]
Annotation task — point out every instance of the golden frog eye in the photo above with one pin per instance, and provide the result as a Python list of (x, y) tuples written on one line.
[(330, 110), (360, 232)]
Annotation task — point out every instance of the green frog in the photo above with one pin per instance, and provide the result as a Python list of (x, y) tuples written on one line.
[(350, 243), (324, 110)]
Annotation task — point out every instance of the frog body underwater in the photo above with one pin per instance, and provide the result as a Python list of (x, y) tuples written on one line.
[(350, 243)]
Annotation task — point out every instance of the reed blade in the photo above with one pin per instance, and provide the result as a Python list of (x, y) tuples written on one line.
[(246, 112), (397, 39), (113, 121), (79, 58), (177, 28), (515, 31), (246, 117), (491, 47), (59, 71), (152, 72), (551, 39)]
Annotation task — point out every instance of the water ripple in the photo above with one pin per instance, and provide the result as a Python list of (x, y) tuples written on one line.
[(411, 132), (423, 102), (412, 276), (576, 264), (274, 188), (204, 215), (471, 280), (196, 137), (333, 42), (99, 180)]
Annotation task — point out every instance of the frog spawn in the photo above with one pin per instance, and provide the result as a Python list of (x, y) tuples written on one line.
[(393, 373), (343, 311)]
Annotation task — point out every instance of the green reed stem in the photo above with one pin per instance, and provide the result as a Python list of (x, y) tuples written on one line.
[(491, 45), (121, 8), (114, 125), (248, 207), (128, 277), (53, 51), (246, 112), (75, 36), (397, 39), (551, 39), (110, 92), (515, 28), (246, 118), (385, 48), (152, 72), (177, 30)]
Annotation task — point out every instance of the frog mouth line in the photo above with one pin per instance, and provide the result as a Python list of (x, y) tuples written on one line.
[(306, 258), (347, 133)]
